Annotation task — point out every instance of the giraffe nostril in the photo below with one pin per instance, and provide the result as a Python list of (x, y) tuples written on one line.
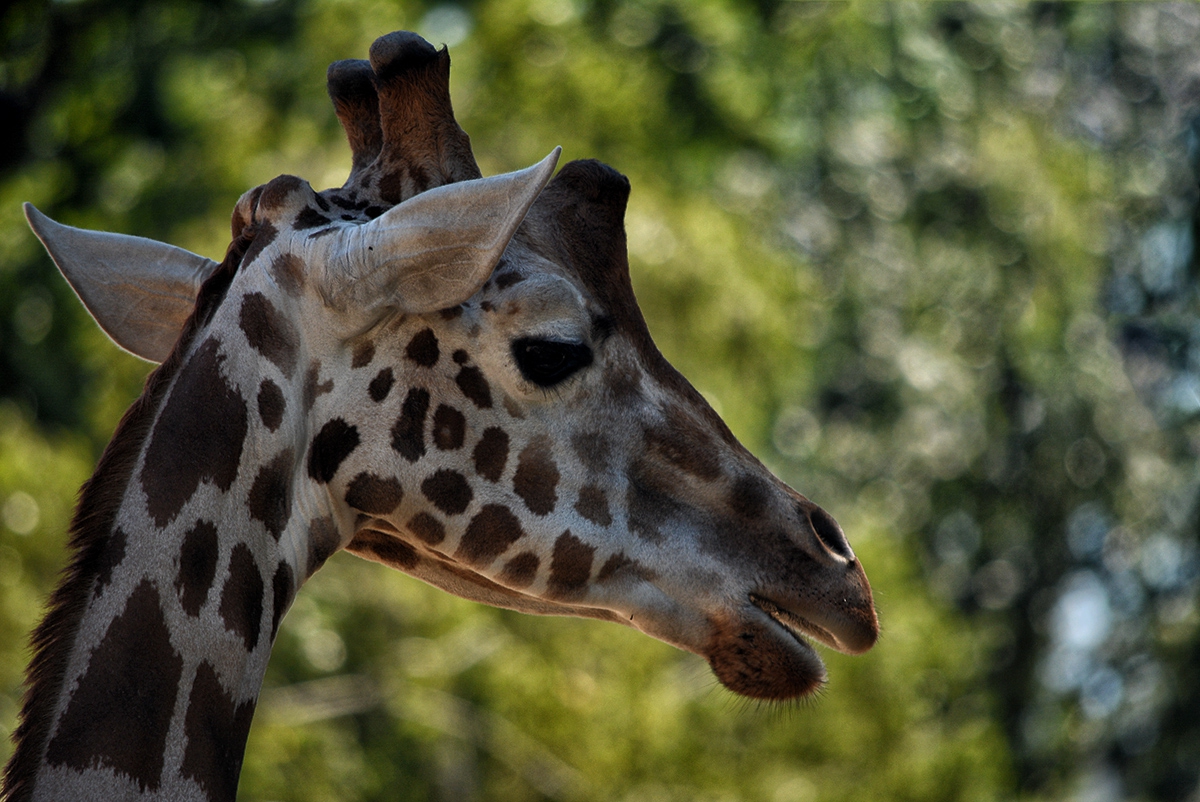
[(829, 532)]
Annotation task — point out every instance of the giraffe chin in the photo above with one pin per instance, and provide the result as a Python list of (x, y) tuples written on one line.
[(762, 658)]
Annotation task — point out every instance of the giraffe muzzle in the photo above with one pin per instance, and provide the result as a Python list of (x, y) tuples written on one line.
[(849, 634)]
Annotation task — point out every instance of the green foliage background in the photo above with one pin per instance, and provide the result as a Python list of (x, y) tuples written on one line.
[(933, 263)]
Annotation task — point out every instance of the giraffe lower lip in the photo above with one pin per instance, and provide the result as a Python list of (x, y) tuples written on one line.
[(797, 626)]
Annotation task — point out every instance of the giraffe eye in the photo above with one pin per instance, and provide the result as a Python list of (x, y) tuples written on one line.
[(548, 362)]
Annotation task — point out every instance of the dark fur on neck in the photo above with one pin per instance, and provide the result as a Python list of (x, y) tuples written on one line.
[(99, 500)]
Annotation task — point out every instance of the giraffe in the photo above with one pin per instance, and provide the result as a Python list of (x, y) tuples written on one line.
[(445, 373)]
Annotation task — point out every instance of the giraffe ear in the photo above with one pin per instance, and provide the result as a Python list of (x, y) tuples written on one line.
[(139, 291), (436, 249)]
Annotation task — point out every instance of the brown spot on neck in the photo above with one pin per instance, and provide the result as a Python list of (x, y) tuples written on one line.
[(243, 597), (197, 437), (323, 541), (271, 404), (197, 566), (120, 711), (99, 500), (217, 727), (270, 498)]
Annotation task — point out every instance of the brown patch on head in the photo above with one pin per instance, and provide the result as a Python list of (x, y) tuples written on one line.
[(623, 382), (491, 454), (283, 586), (336, 441), (381, 385), (620, 565), (423, 348), (427, 528), (593, 450), (120, 711), (110, 558), (508, 278), (242, 598), (270, 499), (323, 541), (520, 571), (386, 549), (269, 332), (448, 491), (288, 271), (750, 496), (313, 387), (310, 218), (570, 567), (513, 409), (364, 352), (648, 501), (408, 435), (374, 495), (198, 436), (449, 428), (470, 380), (593, 505), (683, 443), (216, 728), (537, 477), (490, 533), (271, 404)]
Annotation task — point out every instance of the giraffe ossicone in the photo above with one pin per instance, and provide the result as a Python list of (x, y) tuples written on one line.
[(441, 372)]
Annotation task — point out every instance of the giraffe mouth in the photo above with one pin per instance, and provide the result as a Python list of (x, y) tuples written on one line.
[(796, 625)]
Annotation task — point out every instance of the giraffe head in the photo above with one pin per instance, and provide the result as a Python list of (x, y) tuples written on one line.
[(450, 375)]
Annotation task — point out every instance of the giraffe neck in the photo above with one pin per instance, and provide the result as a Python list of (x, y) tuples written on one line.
[(148, 665)]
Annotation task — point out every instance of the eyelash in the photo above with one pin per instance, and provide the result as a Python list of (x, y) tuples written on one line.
[(549, 362)]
